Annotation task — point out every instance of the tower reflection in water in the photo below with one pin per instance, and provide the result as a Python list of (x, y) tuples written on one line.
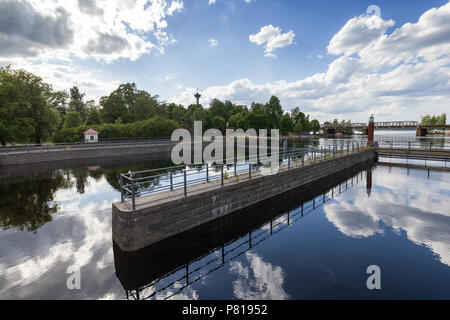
[(165, 269)]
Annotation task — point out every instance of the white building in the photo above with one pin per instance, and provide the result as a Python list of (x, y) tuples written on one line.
[(90, 136)]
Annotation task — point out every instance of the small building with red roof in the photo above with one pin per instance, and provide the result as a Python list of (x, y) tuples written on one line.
[(90, 136)]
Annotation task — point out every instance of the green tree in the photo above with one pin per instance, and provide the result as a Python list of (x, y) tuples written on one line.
[(176, 112), (113, 107), (26, 113), (93, 117), (237, 121), (286, 124), (144, 107), (219, 123), (315, 126), (76, 102), (58, 100), (428, 120), (274, 112), (298, 128), (73, 120), (256, 120), (218, 108)]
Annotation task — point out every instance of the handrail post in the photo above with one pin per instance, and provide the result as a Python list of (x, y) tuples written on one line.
[(133, 200), (303, 159), (185, 182), (249, 170), (289, 160), (221, 175), (121, 187), (235, 173), (207, 172), (314, 156), (171, 179)]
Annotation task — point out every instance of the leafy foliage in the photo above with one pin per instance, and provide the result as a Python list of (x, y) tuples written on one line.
[(428, 120), (31, 111)]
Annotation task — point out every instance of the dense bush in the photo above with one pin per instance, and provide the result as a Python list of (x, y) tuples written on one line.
[(155, 127)]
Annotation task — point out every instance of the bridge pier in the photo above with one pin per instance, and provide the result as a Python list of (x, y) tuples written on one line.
[(420, 132)]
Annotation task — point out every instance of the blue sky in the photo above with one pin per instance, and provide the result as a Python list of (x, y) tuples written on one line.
[(330, 58)]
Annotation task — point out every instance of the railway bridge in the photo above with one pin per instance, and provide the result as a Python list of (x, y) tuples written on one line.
[(421, 130)]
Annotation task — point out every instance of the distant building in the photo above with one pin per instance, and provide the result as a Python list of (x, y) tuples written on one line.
[(90, 136)]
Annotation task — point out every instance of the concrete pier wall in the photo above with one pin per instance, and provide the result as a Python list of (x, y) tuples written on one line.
[(154, 151), (137, 269), (133, 230)]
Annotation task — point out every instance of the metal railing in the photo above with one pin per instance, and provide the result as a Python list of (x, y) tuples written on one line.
[(36, 148), (411, 145), (209, 262), (178, 180)]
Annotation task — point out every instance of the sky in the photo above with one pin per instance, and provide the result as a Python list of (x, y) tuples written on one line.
[(333, 59)]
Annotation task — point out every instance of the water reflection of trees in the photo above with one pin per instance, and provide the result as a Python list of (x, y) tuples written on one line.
[(28, 202), (29, 205)]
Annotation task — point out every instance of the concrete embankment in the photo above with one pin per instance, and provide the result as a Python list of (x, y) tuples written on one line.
[(154, 151), (151, 223)]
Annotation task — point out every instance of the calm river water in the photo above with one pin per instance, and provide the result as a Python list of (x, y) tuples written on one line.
[(317, 243)]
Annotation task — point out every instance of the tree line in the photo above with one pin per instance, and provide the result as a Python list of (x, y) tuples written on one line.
[(428, 120), (31, 111)]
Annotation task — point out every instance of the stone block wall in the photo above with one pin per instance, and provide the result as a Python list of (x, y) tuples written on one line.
[(133, 230)]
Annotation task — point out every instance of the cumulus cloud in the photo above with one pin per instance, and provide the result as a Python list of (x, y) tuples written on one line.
[(272, 38), (23, 31), (102, 29), (213, 42), (357, 34), (65, 75), (210, 2), (388, 75)]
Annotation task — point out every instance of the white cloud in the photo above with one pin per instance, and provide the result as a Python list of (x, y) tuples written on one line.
[(63, 76), (397, 76), (102, 29), (213, 42), (248, 1), (272, 38), (357, 34), (210, 2)]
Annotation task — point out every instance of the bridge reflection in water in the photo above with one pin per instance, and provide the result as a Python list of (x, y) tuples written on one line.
[(165, 269)]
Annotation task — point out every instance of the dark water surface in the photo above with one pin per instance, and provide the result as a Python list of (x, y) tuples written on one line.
[(393, 217)]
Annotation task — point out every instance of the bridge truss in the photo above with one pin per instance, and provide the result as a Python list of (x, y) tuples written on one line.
[(380, 125)]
